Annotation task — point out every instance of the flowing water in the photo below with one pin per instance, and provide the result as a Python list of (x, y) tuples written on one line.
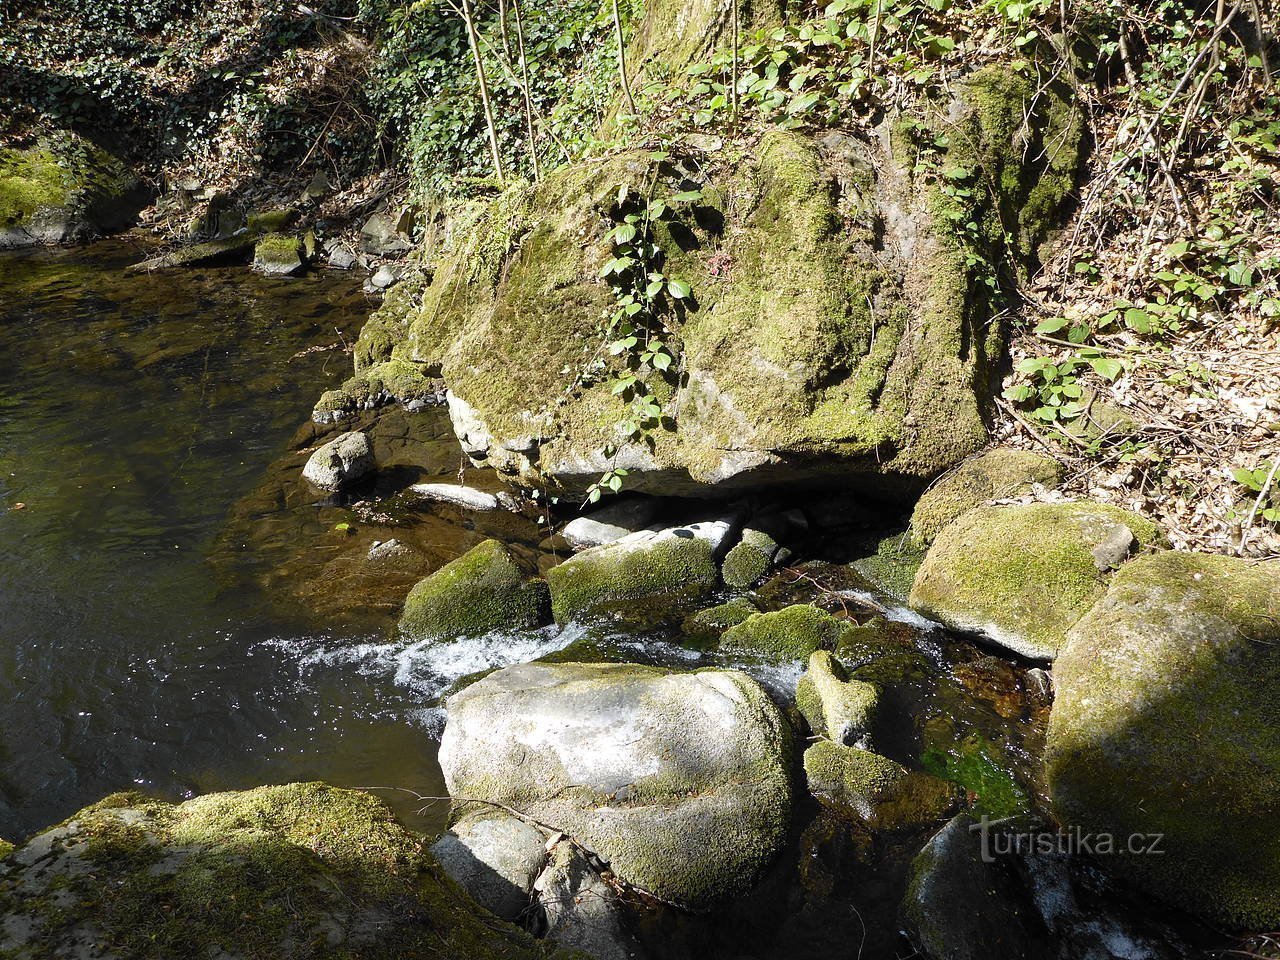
[(182, 614)]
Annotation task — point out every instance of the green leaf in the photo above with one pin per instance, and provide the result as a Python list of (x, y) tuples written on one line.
[(678, 289), (1052, 325), (662, 360), (1107, 367)]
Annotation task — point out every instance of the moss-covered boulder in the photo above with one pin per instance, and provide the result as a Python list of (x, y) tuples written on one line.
[(874, 789), (995, 475), (709, 623), (278, 255), (679, 781), (1022, 575), (1167, 721), (750, 558), (834, 706), (792, 633), (834, 327), (65, 188), (294, 872), (672, 565), (483, 590)]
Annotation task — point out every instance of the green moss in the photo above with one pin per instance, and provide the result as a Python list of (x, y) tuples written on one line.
[(482, 590), (279, 250), (667, 568), (707, 625), (271, 221), (971, 765), (833, 705), (6, 848), (874, 788), (1023, 574), (1167, 695), (30, 180), (303, 870), (749, 560), (891, 564), (792, 633), (995, 475)]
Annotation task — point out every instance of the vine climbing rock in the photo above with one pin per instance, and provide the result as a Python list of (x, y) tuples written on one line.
[(319, 872), (1166, 723), (826, 318), (680, 782)]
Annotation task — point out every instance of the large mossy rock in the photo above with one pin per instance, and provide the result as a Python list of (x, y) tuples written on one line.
[(1022, 575), (1167, 721), (835, 327), (292, 872), (64, 188), (874, 789), (999, 473), (668, 565), (483, 590), (792, 633), (679, 781)]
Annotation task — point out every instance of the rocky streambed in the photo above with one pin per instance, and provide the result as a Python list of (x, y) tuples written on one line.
[(801, 724)]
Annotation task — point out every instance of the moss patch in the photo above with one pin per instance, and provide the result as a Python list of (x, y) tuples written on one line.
[(792, 633), (1022, 575), (834, 706), (1166, 721), (997, 474), (302, 871), (970, 764), (874, 788), (707, 625), (481, 591)]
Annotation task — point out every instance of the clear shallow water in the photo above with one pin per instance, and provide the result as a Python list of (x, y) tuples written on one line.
[(135, 412)]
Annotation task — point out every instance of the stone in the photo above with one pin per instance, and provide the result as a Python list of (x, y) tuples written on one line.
[(610, 522), (672, 564), (457, 494), (338, 255), (278, 255), (233, 249), (1166, 720), (680, 782), (385, 276), (1022, 575), (581, 910), (750, 559), (379, 237), (391, 552), (792, 633), (63, 189), (341, 462), (834, 706), (958, 907), (482, 591), (710, 623), (997, 474), (874, 789), (496, 858), (302, 870), (846, 355)]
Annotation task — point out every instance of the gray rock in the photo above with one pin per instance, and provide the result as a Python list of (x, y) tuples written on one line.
[(582, 911), (380, 237), (339, 255), (959, 908), (679, 781), (835, 707), (385, 276), (340, 462), (611, 522), (457, 494), (390, 552), (496, 858)]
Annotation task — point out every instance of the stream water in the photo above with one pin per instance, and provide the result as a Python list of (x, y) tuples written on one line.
[(181, 614)]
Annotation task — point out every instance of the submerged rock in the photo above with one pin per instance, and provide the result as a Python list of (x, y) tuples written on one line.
[(481, 591), (299, 872), (65, 188), (710, 623), (680, 782), (672, 564), (834, 706), (995, 475), (456, 493), (792, 633), (874, 788), (1022, 575), (496, 858), (340, 462), (1167, 721)]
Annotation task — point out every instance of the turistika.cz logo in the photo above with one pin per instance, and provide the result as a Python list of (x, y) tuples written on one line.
[(1001, 838)]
